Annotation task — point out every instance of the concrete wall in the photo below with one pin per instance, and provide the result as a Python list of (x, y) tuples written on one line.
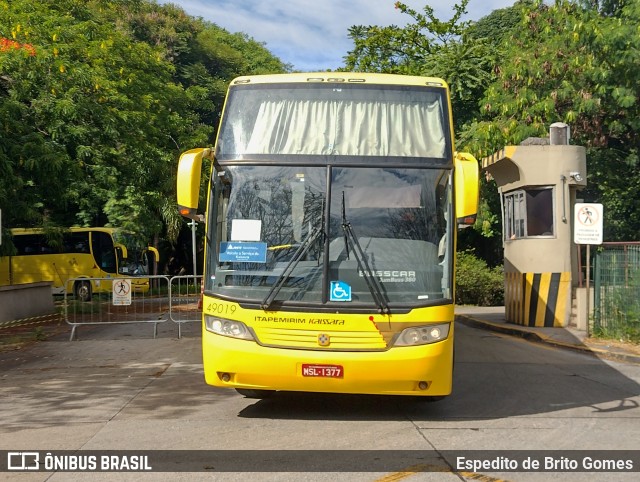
[(25, 301), (541, 270), (581, 307), (545, 166)]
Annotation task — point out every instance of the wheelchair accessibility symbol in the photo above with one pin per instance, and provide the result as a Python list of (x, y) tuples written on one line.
[(340, 291)]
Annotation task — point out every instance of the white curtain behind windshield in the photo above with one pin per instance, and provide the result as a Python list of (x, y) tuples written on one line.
[(337, 121)]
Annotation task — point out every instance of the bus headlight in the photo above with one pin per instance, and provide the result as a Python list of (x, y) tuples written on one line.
[(233, 329), (422, 335)]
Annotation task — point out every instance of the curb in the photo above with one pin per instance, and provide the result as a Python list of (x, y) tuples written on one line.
[(541, 338)]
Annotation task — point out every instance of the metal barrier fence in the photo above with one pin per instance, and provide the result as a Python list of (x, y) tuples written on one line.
[(617, 291), (102, 301), (184, 300)]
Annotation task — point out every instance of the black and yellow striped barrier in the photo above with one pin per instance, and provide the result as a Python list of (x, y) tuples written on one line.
[(537, 299)]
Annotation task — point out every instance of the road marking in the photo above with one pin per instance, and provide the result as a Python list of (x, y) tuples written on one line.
[(414, 469)]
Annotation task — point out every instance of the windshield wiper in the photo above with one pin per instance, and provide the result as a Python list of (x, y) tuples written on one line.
[(288, 269), (361, 258)]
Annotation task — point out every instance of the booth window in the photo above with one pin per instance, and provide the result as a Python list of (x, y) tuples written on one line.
[(529, 213)]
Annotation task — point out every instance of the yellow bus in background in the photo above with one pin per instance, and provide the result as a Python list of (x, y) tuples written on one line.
[(89, 253), (331, 222)]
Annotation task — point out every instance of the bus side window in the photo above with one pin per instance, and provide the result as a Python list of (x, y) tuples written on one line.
[(27, 244), (104, 251), (77, 243)]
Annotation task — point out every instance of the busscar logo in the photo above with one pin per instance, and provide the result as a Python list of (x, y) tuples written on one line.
[(23, 461)]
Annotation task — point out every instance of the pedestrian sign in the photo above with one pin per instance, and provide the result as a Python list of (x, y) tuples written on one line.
[(587, 227), (121, 292)]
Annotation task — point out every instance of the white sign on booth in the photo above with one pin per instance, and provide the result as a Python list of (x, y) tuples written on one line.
[(587, 226)]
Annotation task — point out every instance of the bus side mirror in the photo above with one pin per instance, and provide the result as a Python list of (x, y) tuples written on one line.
[(156, 254), (466, 180), (123, 250), (188, 183)]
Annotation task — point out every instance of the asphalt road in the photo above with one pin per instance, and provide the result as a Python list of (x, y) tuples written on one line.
[(117, 388)]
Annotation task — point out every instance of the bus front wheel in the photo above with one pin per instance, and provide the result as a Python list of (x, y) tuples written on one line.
[(82, 290)]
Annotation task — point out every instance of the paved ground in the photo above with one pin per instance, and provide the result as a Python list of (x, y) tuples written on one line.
[(492, 318), (489, 318), (107, 387)]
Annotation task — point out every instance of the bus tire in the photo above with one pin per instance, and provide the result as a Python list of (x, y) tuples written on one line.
[(251, 393), (82, 290)]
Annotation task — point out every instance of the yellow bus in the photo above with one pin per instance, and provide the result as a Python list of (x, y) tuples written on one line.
[(78, 253), (331, 222)]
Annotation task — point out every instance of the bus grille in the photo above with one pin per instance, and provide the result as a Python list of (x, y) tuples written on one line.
[(309, 339)]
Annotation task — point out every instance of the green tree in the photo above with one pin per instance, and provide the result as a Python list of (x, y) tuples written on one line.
[(499, 24), (464, 54), (106, 106), (431, 47), (97, 100), (578, 65)]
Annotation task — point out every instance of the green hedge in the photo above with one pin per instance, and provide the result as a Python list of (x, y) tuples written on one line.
[(476, 283)]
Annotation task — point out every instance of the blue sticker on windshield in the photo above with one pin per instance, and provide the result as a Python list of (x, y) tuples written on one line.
[(240, 252), (340, 291)]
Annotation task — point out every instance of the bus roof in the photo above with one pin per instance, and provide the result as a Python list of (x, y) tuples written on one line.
[(340, 77)]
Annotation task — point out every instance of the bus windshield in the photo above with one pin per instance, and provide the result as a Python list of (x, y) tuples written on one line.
[(324, 234), (320, 119), (133, 257)]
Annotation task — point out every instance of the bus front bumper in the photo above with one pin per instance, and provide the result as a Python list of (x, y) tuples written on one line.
[(424, 370)]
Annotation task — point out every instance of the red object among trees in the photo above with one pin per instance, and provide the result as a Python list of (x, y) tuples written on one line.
[(8, 44)]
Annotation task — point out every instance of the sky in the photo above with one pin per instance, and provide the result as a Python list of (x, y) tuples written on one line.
[(312, 35)]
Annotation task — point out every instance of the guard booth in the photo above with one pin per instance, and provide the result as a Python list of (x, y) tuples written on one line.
[(537, 182)]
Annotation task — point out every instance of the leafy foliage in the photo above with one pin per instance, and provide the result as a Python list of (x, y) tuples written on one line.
[(462, 53), (560, 68), (476, 283), (580, 66), (520, 69), (432, 47), (97, 100)]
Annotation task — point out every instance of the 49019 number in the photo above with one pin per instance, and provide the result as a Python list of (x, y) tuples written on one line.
[(221, 308)]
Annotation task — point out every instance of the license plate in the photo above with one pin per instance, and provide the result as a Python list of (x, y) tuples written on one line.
[(328, 371)]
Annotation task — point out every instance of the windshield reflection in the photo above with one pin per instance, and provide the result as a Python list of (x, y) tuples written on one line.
[(266, 215)]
